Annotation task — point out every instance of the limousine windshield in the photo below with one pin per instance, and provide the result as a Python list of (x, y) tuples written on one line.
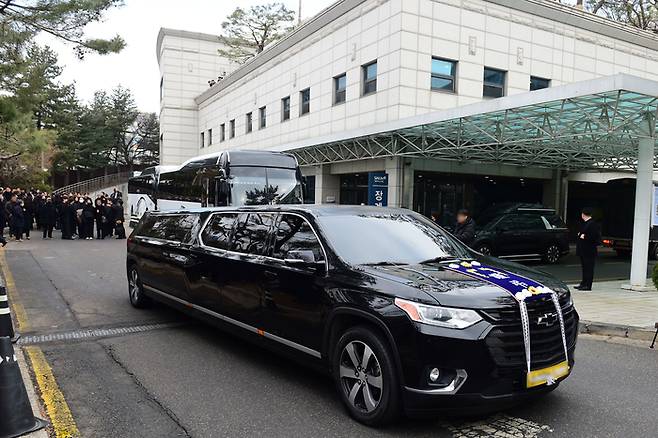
[(262, 185), (389, 238)]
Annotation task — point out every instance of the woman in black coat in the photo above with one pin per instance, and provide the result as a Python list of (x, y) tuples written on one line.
[(88, 215), (98, 218)]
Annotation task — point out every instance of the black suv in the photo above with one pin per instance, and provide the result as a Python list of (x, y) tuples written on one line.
[(402, 315), (522, 232)]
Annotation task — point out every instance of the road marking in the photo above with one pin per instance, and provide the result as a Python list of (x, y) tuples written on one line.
[(58, 410), (17, 307), (498, 426), (94, 333)]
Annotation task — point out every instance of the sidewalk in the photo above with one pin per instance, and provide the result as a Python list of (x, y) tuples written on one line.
[(610, 310)]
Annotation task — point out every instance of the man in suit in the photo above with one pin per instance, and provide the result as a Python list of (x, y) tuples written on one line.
[(589, 237)]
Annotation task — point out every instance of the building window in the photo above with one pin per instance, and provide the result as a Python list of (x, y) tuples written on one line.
[(222, 132), (305, 101), (231, 128), (444, 74), (161, 87), (494, 82), (369, 78), (537, 83), (203, 139), (209, 136), (340, 85), (248, 126), (285, 108), (262, 117)]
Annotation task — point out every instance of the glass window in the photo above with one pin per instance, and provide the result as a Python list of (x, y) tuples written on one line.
[(305, 101), (248, 126), (176, 228), (443, 74), (295, 234), (251, 233), (217, 233), (494, 82), (262, 117), (285, 108), (231, 125), (262, 186), (407, 238), (518, 222), (209, 136), (340, 85), (222, 132), (553, 221), (537, 83), (369, 78), (202, 139)]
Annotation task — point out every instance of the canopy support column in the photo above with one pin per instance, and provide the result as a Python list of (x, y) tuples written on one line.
[(642, 219)]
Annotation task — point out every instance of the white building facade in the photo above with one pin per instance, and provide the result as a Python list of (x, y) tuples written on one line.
[(361, 63)]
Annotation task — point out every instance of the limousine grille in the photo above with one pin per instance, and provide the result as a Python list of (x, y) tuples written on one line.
[(505, 340)]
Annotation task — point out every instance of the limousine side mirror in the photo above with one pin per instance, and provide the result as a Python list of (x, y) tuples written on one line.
[(303, 258)]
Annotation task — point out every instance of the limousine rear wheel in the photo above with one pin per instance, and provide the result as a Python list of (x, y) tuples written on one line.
[(365, 375), (136, 289)]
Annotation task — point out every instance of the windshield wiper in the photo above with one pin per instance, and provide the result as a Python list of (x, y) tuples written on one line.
[(384, 263), (437, 260)]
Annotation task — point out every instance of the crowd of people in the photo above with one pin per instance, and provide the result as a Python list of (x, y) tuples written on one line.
[(76, 215)]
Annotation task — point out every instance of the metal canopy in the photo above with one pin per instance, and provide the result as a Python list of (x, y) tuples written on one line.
[(591, 125)]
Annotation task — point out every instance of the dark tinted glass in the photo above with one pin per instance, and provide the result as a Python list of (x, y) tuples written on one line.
[(494, 83), (176, 228), (539, 83), (370, 78), (516, 222), (218, 231), (295, 234), (285, 108), (440, 83), (248, 124), (263, 117), (555, 221), (250, 236), (305, 101)]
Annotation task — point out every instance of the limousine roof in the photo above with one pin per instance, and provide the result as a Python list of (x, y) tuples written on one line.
[(313, 209)]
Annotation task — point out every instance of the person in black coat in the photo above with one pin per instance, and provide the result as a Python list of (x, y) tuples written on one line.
[(88, 215), (67, 219), (17, 221), (3, 219), (465, 227), (108, 219), (28, 215), (98, 218), (47, 217), (589, 238), (118, 215)]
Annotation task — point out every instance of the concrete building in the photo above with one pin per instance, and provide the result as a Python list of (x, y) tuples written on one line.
[(362, 66)]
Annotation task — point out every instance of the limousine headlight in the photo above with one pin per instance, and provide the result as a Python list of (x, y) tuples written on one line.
[(438, 315)]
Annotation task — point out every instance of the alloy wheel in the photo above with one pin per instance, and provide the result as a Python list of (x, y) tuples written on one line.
[(552, 254), (361, 376), (133, 283)]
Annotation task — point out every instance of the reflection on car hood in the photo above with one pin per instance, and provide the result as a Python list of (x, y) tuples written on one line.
[(451, 288)]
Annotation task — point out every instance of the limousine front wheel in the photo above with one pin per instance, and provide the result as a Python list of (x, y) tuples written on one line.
[(136, 290), (365, 375)]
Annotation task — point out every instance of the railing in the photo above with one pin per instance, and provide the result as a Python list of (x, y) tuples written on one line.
[(95, 184)]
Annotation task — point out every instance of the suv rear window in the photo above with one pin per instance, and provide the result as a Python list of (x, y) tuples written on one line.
[(554, 221), (176, 227)]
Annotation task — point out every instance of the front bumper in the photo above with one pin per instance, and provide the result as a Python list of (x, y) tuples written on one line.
[(493, 381)]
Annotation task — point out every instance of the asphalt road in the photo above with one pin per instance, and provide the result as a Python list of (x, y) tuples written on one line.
[(194, 380)]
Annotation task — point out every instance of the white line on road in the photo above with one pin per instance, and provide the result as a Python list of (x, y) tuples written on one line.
[(498, 426)]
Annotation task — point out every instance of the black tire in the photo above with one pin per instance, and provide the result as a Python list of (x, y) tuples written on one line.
[(355, 383), (552, 254), (136, 289), (485, 249)]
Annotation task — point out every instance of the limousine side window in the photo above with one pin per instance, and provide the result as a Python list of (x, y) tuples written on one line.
[(251, 233), (295, 234), (217, 233), (177, 228)]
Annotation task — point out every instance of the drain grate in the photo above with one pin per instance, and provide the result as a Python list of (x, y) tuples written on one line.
[(86, 334)]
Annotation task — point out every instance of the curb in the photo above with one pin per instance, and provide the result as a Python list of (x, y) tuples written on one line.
[(620, 331), (31, 394)]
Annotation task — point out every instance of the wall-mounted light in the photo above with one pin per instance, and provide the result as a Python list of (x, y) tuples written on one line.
[(472, 43)]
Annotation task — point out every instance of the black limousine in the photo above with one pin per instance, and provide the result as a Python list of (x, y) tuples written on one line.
[(403, 316)]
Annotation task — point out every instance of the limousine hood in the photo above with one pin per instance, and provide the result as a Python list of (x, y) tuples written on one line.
[(450, 288)]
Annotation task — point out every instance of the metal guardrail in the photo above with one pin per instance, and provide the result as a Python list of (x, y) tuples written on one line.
[(95, 184)]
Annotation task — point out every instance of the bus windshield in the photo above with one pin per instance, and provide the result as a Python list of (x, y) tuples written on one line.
[(261, 185)]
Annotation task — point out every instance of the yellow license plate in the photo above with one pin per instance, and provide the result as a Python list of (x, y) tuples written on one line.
[(547, 376)]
